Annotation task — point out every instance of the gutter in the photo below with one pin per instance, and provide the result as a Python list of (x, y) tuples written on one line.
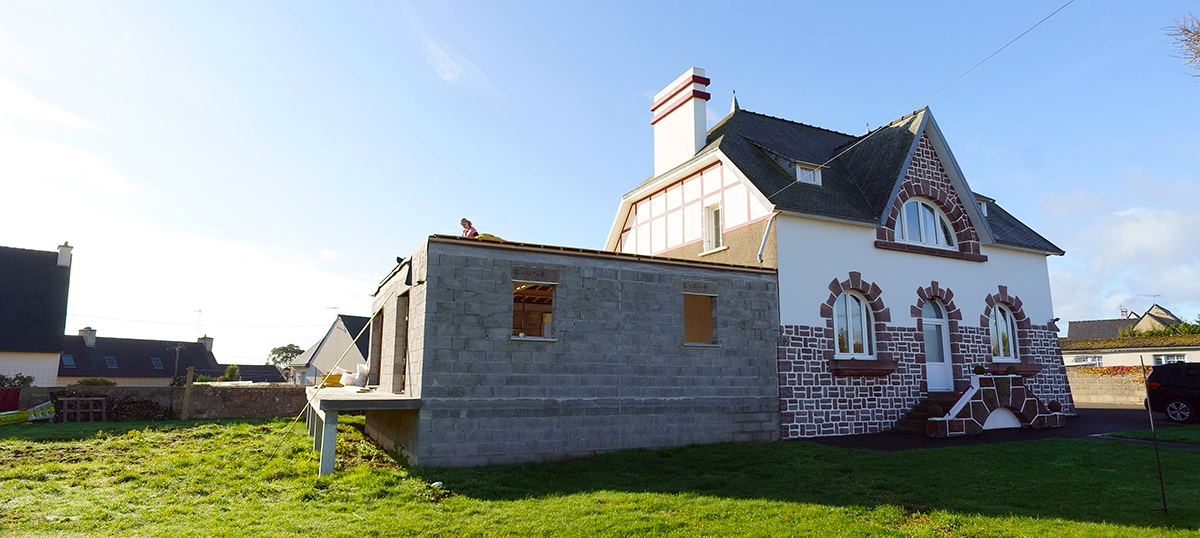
[(763, 246)]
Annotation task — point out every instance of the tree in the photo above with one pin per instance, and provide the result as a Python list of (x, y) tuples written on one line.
[(232, 373), (283, 355), (1186, 34), (16, 381)]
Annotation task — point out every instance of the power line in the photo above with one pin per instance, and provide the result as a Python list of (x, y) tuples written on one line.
[(939, 90), (209, 325)]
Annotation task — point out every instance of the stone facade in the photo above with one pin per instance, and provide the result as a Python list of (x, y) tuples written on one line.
[(926, 178), (821, 395), (614, 374)]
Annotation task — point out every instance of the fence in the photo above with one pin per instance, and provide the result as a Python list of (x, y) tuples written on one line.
[(258, 401)]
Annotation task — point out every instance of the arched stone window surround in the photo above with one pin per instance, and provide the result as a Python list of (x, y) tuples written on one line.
[(964, 234), (1026, 366), (880, 314)]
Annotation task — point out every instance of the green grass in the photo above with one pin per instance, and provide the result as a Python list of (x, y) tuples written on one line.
[(1175, 434), (208, 478)]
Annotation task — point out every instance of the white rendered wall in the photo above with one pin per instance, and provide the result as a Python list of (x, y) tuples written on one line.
[(42, 366), (1130, 358), (814, 252)]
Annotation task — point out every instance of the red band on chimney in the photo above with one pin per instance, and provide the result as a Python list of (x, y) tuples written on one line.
[(696, 79), (663, 113)]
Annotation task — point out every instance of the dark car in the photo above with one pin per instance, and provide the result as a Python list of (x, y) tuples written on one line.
[(1174, 390)]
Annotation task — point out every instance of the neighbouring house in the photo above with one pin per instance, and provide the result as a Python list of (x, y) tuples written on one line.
[(337, 344), (754, 288), (134, 362), (34, 286), (1156, 317), (1132, 351)]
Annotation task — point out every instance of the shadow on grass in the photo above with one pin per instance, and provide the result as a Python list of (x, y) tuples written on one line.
[(76, 431), (1076, 480)]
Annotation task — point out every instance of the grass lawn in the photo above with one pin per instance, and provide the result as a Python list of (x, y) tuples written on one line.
[(209, 478), (1175, 434)]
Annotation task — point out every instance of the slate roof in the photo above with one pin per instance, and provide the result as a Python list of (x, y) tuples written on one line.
[(133, 358), (355, 324), (1097, 328), (33, 300), (259, 373), (855, 186), (1139, 342)]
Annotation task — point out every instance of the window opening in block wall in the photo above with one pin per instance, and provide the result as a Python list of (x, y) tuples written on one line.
[(533, 310), (699, 319), (712, 227)]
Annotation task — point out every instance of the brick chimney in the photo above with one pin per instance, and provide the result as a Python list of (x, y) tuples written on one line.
[(64, 254), (89, 336), (207, 341), (680, 120)]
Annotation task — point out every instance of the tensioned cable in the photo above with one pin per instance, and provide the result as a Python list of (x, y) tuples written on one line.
[(319, 386), (939, 90)]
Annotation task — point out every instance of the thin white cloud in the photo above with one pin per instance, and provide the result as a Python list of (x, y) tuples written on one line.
[(24, 159), (20, 103), (449, 65)]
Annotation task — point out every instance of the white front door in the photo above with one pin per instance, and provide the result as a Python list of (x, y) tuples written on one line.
[(939, 374)]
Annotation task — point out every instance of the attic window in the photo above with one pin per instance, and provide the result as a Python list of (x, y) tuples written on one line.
[(110, 361), (533, 310), (68, 361), (922, 222), (157, 362), (811, 176)]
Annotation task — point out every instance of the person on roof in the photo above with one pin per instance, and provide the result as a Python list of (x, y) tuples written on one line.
[(468, 230)]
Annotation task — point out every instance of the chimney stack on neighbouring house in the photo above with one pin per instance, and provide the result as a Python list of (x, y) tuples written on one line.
[(207, 341), (64, 254), (680, 120), (89, 336)]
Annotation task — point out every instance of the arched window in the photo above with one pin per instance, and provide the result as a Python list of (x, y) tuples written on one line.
[(922, 222), (1004, 335), (852, 327)]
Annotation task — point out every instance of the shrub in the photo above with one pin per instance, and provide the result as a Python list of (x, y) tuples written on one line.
[(1174, 330), (205, 379), (232, 373), (94, 382), (15, 381)]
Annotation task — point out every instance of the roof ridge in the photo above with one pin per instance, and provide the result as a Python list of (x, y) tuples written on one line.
[(1101, 319), (796, 122), (135, 339)]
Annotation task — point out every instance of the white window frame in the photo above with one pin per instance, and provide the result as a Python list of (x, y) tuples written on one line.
[(904, 235), (713, 227), (810, 176), (1169, 358), (1010, 326), (864, 314)]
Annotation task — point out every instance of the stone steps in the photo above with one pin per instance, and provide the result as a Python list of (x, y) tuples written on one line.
[(915, 420)]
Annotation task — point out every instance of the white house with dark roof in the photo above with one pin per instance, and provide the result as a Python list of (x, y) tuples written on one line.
[(133, 362), (34, 286), (338, 344), (896, 279)]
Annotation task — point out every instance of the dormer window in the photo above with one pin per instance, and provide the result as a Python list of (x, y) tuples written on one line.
[(923, 223), (805, 174)]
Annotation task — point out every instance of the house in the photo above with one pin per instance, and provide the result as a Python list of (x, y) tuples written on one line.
[(337, 344), (1132, 351), (1156, 317), (34, 285), (771, 280), (896, 279), (133, 362)]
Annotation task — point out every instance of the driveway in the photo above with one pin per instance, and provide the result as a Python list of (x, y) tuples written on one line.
[(1092, 419)]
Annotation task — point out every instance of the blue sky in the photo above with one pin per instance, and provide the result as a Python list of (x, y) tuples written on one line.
[(262, 162)]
